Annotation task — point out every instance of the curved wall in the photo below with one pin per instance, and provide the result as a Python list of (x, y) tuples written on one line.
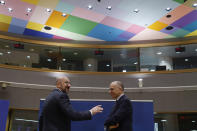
[(27, 87)]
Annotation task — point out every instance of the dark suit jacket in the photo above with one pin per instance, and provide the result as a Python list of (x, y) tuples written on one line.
[(57, 113), (121, 114)]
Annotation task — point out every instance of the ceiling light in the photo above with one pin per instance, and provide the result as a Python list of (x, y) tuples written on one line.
[(195, 5), (107, 65), (89, 65), (2, 2), (159, 53), (50, 51), (32, 49), (196, 49), (169, 28), (168, 9), (163, 120), (152, 70), (63, 14), (9, 52), (75, 53), (168, 16), (186, 59), (63, 59), (29, 9), (49, 60), (140, 79), (193, 121), (1, 53), (136, 10), (47, 28), (48, 10), (28, 57), (124, 70), (90, 7), (10, 9), (109, 7), (135, 63)]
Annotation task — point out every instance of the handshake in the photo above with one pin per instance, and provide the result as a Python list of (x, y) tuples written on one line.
[(96, 109)]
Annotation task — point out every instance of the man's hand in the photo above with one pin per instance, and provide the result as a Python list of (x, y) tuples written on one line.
[(96, 109), (113, 126)]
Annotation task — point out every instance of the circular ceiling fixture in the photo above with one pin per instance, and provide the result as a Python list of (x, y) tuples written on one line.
[(168, 16), (169, 28), (47, 28)]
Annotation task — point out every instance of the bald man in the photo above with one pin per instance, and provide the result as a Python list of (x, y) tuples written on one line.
[(120, 118), (58, 113)]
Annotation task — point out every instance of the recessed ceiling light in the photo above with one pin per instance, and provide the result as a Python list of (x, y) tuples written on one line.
[(90, 7), (64, 14), (168, 16), (2, 2), (10, 9), (32, 49), (48, 10), (75, 53), (168, 9), (136, 10), (186, 59), (140, 79), (193, 121), (63, 59), (135, 63), (109, 7), (107, 65), (1, 53), (194, 5), (49, 60), (152, 70), (159, 53), (50, 51), (169, 28), (28, 57), (29, 9), (163, 120), (196, 49), (124, 70), (89, 65), (47, 28), (9, 52)]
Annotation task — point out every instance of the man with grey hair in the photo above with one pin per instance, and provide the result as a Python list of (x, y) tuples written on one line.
[(120, 118), (58, 113)]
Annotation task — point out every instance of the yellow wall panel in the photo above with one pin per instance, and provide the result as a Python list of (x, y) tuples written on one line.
[(56, 19), (5, 19), (4, 26), (35, 2), (158, 26), (34, 26), (194, 33)]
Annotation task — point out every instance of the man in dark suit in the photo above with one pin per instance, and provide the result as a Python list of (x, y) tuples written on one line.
[(120, 118), (57, 111)]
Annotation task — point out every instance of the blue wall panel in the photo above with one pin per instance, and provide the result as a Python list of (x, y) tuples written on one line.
[(4, 107), (143, 119)]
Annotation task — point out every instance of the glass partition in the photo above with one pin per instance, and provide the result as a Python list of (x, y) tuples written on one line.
[(23, 120), (98, 59), (168, 58)]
